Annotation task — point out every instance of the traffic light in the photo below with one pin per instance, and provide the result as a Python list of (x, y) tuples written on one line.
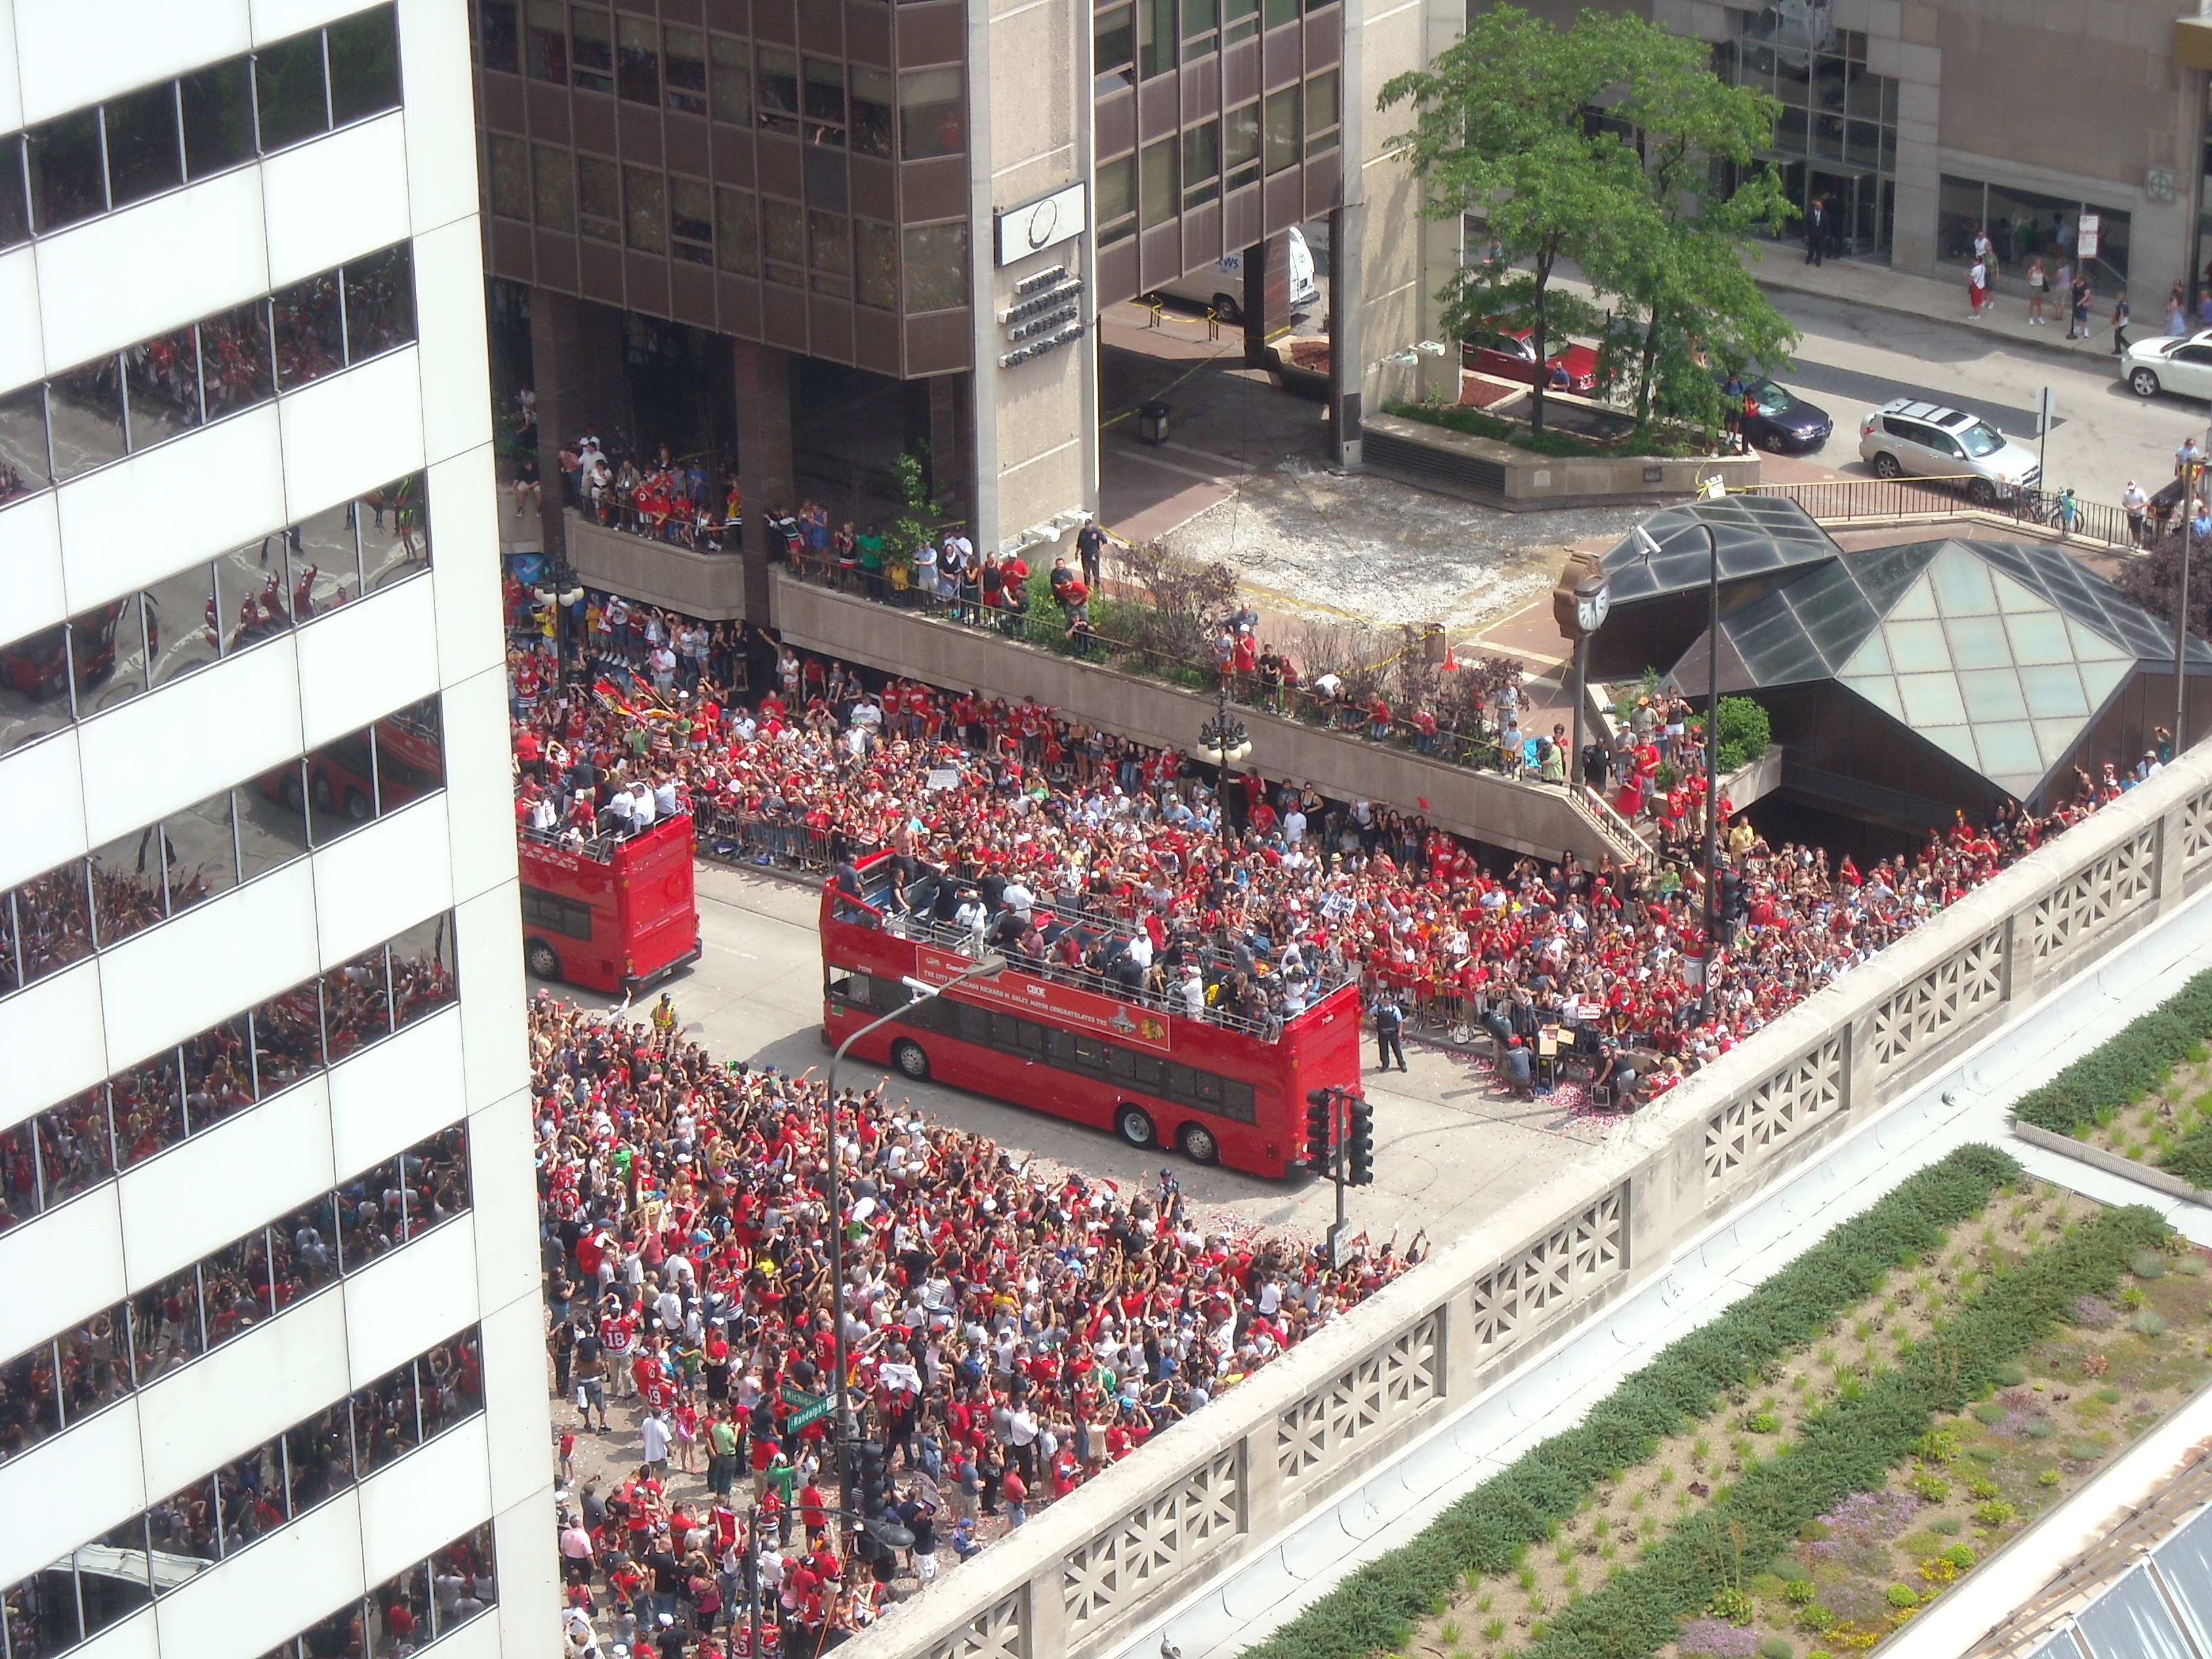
[(1320, 1130), (873, 1468), (1359, 1144)]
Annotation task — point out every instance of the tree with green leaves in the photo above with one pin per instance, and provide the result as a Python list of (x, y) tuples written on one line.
[(1506, 128), (1499, 132), (1680, 266)]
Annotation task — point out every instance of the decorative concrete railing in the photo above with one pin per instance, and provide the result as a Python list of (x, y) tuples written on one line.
[(1207, 1495)]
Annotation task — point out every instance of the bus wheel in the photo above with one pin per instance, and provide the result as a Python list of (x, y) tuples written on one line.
[(911, 1060), (356, 806), (1131, 1123), (1199, 1144), (543, 960)]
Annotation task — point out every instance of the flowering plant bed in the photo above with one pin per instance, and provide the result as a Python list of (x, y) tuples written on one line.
[(1834, 1491), (2145, 1094)]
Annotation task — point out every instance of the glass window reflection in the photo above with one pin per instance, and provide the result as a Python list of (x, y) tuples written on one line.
[(162, 381), (288, 91), (310, 331), (85, 411), (145, 154)]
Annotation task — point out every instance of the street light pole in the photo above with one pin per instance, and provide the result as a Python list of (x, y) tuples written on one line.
[(1712, 760), (888, 1533), (2181, 631), (989, 968)]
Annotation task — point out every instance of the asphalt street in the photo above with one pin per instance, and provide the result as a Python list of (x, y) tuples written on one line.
[(1447, 1149), (1853, 359)]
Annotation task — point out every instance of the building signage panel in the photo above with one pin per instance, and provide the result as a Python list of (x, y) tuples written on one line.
[(1044, 223)]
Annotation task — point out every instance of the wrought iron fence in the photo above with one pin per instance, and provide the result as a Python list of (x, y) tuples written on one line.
[(1841, 500)]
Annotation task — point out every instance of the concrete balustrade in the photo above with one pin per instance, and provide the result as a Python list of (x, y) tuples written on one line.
[(1529, 817)]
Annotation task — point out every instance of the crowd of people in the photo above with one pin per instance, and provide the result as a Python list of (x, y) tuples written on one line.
[(1012, 1331), (995, 792)]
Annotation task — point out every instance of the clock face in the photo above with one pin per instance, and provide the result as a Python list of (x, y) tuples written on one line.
[(1043, 220), (1590, 609)]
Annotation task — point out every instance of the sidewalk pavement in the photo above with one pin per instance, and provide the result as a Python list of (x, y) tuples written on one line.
[(1943, 300)]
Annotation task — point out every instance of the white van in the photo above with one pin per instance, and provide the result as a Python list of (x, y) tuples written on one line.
[(1222, 285)]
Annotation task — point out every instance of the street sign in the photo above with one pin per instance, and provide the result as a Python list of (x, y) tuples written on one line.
[(1340, 1244), (2086, 233), (812, 1407)]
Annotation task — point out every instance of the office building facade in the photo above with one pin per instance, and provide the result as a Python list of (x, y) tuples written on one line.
[(922, 207), (272, 1362), (1921, 121)]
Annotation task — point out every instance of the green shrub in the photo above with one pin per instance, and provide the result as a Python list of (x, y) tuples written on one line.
[(1988, 1411), (1763, 1423), (2148, 1264), (1994, 1513), (1745, 732), (2011, 1376), (2150, 1323), (1799, 1591), (1480, 1531), (1815, 1617), (1929, 1488), (1946, 1524), (2109, 1395), (2084, 1451), (1901, 1596), (1937, 1446), (1776, 1647), (1960, 1556), (1454, 417)]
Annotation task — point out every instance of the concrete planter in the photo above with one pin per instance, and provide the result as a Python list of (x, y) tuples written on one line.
[(1500, 475), (2097, 1158)]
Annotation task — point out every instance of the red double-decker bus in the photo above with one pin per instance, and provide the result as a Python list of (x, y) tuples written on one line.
[(1220, 1087), (613, 913)]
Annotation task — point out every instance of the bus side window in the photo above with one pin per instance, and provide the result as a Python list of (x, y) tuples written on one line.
[(1237, 1101), (1059, 1048), (886, 994), (1121, 1063), (1182, 1083), (1089, 1053), (975, 1024), (849, 988), (555, 913)]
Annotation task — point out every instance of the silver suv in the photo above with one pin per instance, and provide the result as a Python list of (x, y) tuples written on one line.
[(1927, 441)]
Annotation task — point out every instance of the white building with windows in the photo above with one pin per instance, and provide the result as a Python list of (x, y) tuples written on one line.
[(271, 1361)]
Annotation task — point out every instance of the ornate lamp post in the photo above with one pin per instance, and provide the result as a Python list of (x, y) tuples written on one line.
[(1224, 741)]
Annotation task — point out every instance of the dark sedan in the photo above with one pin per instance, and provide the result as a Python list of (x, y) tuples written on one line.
[(1784, 423)]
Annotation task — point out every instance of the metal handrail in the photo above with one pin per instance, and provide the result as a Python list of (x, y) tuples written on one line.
[(1627, 839), (1835, 500), (1212, 962)]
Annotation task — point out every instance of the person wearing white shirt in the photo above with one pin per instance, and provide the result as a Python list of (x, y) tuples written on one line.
[(641, 810), (653, 1433)]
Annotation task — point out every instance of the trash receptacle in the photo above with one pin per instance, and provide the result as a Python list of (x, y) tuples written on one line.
[(1152, 422)]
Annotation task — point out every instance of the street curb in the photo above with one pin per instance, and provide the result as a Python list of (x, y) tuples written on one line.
[(2050, 348)]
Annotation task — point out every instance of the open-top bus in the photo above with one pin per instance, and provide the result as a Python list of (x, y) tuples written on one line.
[(1221, 1087), (613, 913)]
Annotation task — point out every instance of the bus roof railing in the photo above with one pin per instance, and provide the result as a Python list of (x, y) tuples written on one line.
[(599, 849), (1213, 962)]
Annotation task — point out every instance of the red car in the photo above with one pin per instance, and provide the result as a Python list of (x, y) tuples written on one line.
[(1510, 355)]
